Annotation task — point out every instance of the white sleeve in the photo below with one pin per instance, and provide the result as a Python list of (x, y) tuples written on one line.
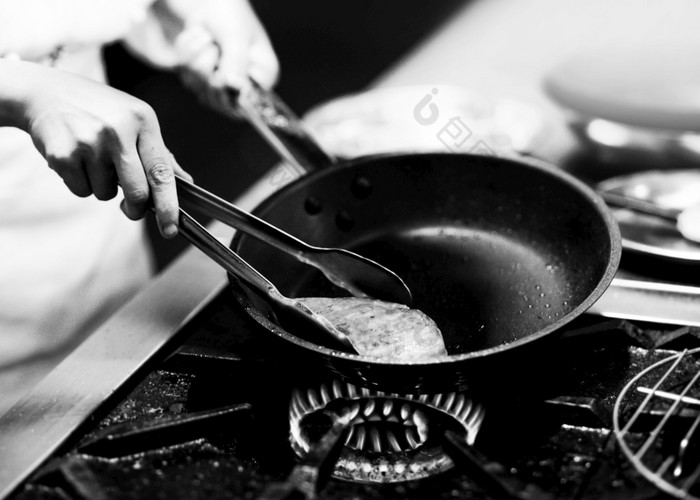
[(34, 28), (154, 39)]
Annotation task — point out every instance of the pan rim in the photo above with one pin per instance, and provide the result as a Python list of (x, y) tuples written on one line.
[(576, 184)]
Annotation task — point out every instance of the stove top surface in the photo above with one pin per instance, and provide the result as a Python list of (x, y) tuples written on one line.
[(212, 421)]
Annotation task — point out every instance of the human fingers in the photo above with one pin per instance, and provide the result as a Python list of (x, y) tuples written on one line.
[(145, 170), (72, 172), (158, 165), (65, 156), (135, 210), (231, 27), (132, 179), (232, 67), (101, 173)]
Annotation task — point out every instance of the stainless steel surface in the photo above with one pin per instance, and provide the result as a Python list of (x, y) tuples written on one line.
[(650, 301), (686, 221), (358, 275), (39, 423), (637, 205), (669, 232), (293, 314)]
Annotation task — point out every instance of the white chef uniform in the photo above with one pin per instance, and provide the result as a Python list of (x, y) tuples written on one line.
[(66, 263)]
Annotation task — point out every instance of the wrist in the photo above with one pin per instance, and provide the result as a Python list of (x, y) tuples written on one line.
[(18, 88)]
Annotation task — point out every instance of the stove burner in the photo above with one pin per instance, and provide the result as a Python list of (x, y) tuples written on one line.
[(390, 438)]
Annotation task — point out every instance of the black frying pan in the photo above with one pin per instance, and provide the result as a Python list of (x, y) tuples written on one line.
[(499, 252)]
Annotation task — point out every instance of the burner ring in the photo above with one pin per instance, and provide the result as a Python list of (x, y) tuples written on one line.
[(389, 439)]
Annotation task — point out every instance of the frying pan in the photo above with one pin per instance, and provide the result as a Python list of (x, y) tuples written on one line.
[(500, 252)]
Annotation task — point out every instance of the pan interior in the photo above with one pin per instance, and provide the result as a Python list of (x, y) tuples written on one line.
[(481, 288), (494, 251)]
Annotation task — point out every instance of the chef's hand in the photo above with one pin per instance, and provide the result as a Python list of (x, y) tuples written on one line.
[(223, 45), (96, 138), (215, 43)]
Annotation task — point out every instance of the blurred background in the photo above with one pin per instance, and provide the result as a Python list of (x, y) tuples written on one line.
[(602, 89), (325, 49)]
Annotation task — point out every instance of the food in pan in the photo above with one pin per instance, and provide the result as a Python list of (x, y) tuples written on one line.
[(382, 329)]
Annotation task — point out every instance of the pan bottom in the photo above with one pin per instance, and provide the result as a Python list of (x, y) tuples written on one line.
[(482, 288)]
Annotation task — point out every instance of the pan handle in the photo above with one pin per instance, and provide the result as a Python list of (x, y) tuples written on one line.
[(280, 127)]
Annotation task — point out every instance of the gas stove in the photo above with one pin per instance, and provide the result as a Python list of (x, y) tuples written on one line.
[(226, 414), (181, 395)]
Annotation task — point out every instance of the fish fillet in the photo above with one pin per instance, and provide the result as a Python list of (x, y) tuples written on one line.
[(382, 329)]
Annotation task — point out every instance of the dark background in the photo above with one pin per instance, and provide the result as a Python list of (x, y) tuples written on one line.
[(326, 49)]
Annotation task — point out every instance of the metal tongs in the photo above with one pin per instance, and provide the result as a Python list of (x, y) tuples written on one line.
[(358, 275)]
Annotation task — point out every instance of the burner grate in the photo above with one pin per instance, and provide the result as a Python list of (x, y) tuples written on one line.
[(660, 437)]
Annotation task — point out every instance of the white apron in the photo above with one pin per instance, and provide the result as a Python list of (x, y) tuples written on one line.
[(66, 263)]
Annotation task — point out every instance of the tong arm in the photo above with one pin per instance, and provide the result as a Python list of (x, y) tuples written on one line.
[(196, 234), (228, 213)]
